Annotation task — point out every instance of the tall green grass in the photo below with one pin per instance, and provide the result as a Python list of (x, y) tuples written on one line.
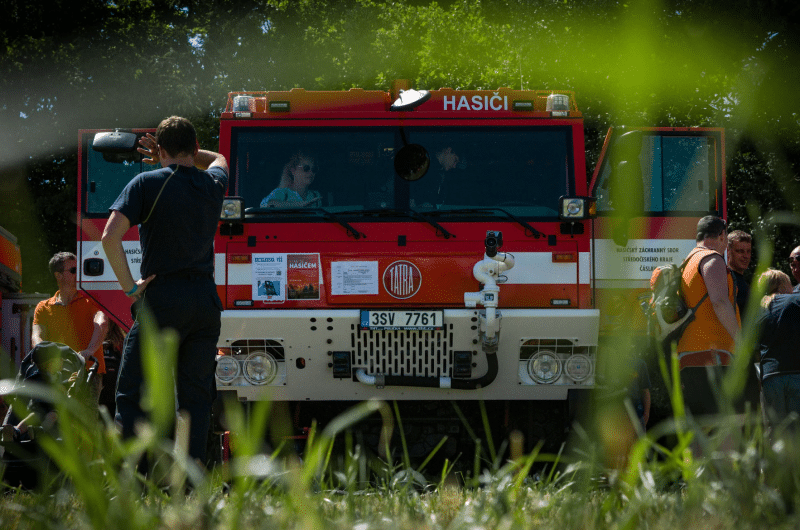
[(741, 477)]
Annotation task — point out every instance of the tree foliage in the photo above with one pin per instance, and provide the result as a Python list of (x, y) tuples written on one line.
[(129, 63)]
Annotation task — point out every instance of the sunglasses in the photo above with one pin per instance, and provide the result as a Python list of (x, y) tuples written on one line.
[(73, 270), (307, 168), (793, 259)]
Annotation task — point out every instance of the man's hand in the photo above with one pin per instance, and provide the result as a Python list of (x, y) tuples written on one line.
[(149, 149), (141, 285)]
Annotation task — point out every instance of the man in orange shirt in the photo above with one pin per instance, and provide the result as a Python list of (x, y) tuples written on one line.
[(70, 317), (709, 340)]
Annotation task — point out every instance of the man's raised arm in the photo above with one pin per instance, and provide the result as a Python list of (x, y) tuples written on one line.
[(208, 159)]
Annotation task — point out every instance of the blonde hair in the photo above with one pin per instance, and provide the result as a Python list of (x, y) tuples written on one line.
[(770, 283), (286, 175)]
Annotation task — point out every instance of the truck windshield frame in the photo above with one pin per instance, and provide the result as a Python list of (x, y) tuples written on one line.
[(523, 169)]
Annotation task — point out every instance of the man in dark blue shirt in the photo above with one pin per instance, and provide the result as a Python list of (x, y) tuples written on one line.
[(177, 209)]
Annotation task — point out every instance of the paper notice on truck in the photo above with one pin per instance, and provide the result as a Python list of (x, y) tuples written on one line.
[(354, 277)]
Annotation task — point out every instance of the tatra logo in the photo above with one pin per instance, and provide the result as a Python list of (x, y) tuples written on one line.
[(402, 279)]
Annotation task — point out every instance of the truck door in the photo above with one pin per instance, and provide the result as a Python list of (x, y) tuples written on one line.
[(652, 186), (101, 178)]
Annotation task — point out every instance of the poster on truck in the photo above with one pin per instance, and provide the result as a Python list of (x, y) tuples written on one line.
[(278, 277)]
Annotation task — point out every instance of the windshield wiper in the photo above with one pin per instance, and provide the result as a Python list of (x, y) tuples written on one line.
[(439, 228), (320, 211), (417, 216), (528, 228)]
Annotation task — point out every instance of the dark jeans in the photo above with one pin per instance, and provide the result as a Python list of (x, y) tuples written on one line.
[(700, 395), (189, 304), (781, 396)]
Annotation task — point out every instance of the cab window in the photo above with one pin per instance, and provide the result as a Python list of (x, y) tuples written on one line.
[(678, 175)]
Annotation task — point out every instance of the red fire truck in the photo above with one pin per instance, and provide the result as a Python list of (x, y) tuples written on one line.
[(447, 253), (16, 307)]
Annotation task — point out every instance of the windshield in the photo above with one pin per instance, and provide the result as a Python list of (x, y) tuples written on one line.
[(523, 170)]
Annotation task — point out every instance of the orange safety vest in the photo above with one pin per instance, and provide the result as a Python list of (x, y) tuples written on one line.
[(705, 341)]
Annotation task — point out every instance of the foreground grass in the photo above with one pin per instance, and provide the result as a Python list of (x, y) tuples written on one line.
[(682, 473), (499, 504), (752, 485)]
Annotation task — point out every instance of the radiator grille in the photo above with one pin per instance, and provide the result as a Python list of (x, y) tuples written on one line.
[(404, 353)]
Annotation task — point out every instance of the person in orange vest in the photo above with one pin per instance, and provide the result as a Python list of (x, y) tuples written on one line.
[(706, 347)]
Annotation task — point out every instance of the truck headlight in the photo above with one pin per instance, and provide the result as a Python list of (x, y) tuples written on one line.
[(544, 367), (227, 369), (577, 208), (578, 367), (260, 368), (232, 209)]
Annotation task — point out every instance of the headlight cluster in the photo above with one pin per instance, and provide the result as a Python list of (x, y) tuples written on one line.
[(577, 208), (545, 367), (232, 209), (258, 368)]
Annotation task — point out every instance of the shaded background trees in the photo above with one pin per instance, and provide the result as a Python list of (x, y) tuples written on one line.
[(130, 63)]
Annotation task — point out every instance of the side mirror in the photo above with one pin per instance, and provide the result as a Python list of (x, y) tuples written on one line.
[(115, 142), (117, 147), (412, 162)]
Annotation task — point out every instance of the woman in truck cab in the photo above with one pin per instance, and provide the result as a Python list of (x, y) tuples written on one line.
[(292, 191)]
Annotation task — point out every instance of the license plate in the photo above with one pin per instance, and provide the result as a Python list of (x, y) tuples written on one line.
[(415, 320)]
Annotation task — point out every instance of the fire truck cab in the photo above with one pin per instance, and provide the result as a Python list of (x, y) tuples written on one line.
[(415, 246)]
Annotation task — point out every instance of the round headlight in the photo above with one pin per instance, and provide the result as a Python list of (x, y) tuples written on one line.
[(227, 369), (578, 367), (574, 207), (260, 368), (231, 209), (544, 367)]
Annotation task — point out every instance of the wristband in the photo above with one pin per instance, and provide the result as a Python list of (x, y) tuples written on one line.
[(130, 293)]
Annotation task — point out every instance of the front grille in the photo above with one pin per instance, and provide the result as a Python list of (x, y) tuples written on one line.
[(404, 353)]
